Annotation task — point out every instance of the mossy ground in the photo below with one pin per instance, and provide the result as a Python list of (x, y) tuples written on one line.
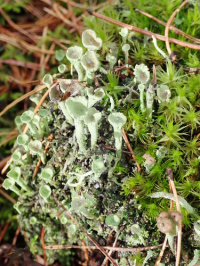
[(174, 125)]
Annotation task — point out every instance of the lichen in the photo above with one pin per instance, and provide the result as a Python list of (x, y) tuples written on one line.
[(86, 165)]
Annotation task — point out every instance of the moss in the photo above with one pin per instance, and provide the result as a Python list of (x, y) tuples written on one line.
[(163, 133)]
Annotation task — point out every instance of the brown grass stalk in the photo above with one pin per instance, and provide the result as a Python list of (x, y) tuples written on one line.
[(130, 149), (169, 22), (176, 30), (83, 230), (120, 249), (172, 185), (145, 32)]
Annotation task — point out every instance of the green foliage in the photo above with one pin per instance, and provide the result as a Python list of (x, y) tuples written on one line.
[(95, 183)]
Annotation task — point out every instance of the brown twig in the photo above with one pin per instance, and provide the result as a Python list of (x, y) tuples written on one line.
[(15, 26), (4, 161), (7, 196), (114, 244), (42, 57), (161, 252), (83, 230), (10, 136), (145, 32), (129, 71), (19, 43), (165, 241), (85, 252), (24, 83), (43, 244), (30, 65), (169, 22), (176, 30), (105, 247), (3, 232), (113, 149), (171, 182), (16, 236), (130, 149), (39, 88), (38, 258), (50, 138)]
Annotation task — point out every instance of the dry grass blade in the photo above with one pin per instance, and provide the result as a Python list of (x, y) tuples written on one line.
[(111, 251), (165, 241), (85, 253), (24, 83), (145, 32), (15, 26), (81, 228), (4, 161), (105, 247), (176, 30), (23, 44), (130, 149), (30, 65), (8, 197), (16, 236), (50, 138), (43, 244), (12, 135), (3, 232), (39, 88), (169, 22), (171, 182), (161, 252), (129, 71)]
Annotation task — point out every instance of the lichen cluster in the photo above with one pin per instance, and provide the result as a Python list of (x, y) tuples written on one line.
[(86, 165)]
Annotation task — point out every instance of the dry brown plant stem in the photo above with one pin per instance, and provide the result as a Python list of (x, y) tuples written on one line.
[(15, 26), (169, 22), (161, 252), (129, 71), (114, 244), (105, 247), (21, 99), (16, 236), (172, 185), (130, 149), (30, 65), (7, 196), (4, 161), (3, 232), (165, 241), (85, 252), (43, 244), (83, 230), (50, 138), (176, 30), (145, 32)]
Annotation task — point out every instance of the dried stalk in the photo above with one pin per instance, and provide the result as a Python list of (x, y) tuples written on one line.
[(105, 247), (83, 230), (145, 32), (176, 30), (169, 22), (171, 182), (130, 149)]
